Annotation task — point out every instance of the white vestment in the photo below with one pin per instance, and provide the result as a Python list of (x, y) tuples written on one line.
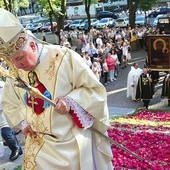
[(64, 74), (132, 81)]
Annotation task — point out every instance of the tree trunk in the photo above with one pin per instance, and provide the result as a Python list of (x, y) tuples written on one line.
[(25, 11), (87, 9), (51, 21), (32, 4), (59, 16), (60, 23), (6, 5), (132, 6), (10, 5)]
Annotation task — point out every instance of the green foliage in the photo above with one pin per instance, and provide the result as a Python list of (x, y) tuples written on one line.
[(146, 5), (6, 6), (45, 5), (19, 167), (24, 3), (15, 5), (1, 3)]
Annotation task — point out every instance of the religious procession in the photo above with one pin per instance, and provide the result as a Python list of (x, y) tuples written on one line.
[(57, 98)]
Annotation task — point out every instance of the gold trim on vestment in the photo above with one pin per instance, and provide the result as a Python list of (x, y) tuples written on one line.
[(34, 145)]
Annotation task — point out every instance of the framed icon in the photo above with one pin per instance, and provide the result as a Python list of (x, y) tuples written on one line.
[(158, 57)]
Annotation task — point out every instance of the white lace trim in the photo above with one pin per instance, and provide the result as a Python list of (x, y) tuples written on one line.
[(84, 117)]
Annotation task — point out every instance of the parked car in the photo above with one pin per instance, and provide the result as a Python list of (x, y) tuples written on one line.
[(122, 22), (164, 24), (66, 24), (35, 27), (155, 21), (140, 20), (109, 22), (117, 9), (139, 12), (106, 14), (75, 24), (160, 10), (26, 25), (47, 26), (93, 23), (81, 26)]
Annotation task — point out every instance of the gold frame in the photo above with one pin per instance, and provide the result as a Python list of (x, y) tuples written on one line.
[(158, 57)]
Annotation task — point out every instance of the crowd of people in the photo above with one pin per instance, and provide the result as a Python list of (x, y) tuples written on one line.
[(104, 51), (108, 50), (111, 47)]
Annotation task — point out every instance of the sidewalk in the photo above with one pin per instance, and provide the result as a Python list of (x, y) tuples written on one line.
[(119, 111)]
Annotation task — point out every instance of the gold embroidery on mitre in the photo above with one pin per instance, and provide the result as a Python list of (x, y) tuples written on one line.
[(3, 49), (14, 45), (19, 42), (11, 48)]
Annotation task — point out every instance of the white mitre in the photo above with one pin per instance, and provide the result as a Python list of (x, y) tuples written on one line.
[(12, 34)]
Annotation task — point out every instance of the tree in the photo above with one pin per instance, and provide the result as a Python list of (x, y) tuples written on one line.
[(132, 6), (56, 9), (10, 5), (32, 3), (6, 5), (24, 4), (61, 15), (146, 5), (87, 9)]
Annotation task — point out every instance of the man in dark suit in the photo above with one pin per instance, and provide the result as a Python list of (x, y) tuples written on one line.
[(145, 88)]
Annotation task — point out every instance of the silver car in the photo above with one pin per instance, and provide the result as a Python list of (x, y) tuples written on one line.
[(140, 20), (75, 24), (93, 23), (122, 22), (105, 22)]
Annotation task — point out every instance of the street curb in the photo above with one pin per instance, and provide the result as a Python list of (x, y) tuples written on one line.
[(118, 111)]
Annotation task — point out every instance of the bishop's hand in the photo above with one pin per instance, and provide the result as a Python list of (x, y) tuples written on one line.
[(29, 131), (61, 107)]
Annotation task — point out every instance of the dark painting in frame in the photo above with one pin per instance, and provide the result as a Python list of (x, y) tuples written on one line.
[(158, 57)]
